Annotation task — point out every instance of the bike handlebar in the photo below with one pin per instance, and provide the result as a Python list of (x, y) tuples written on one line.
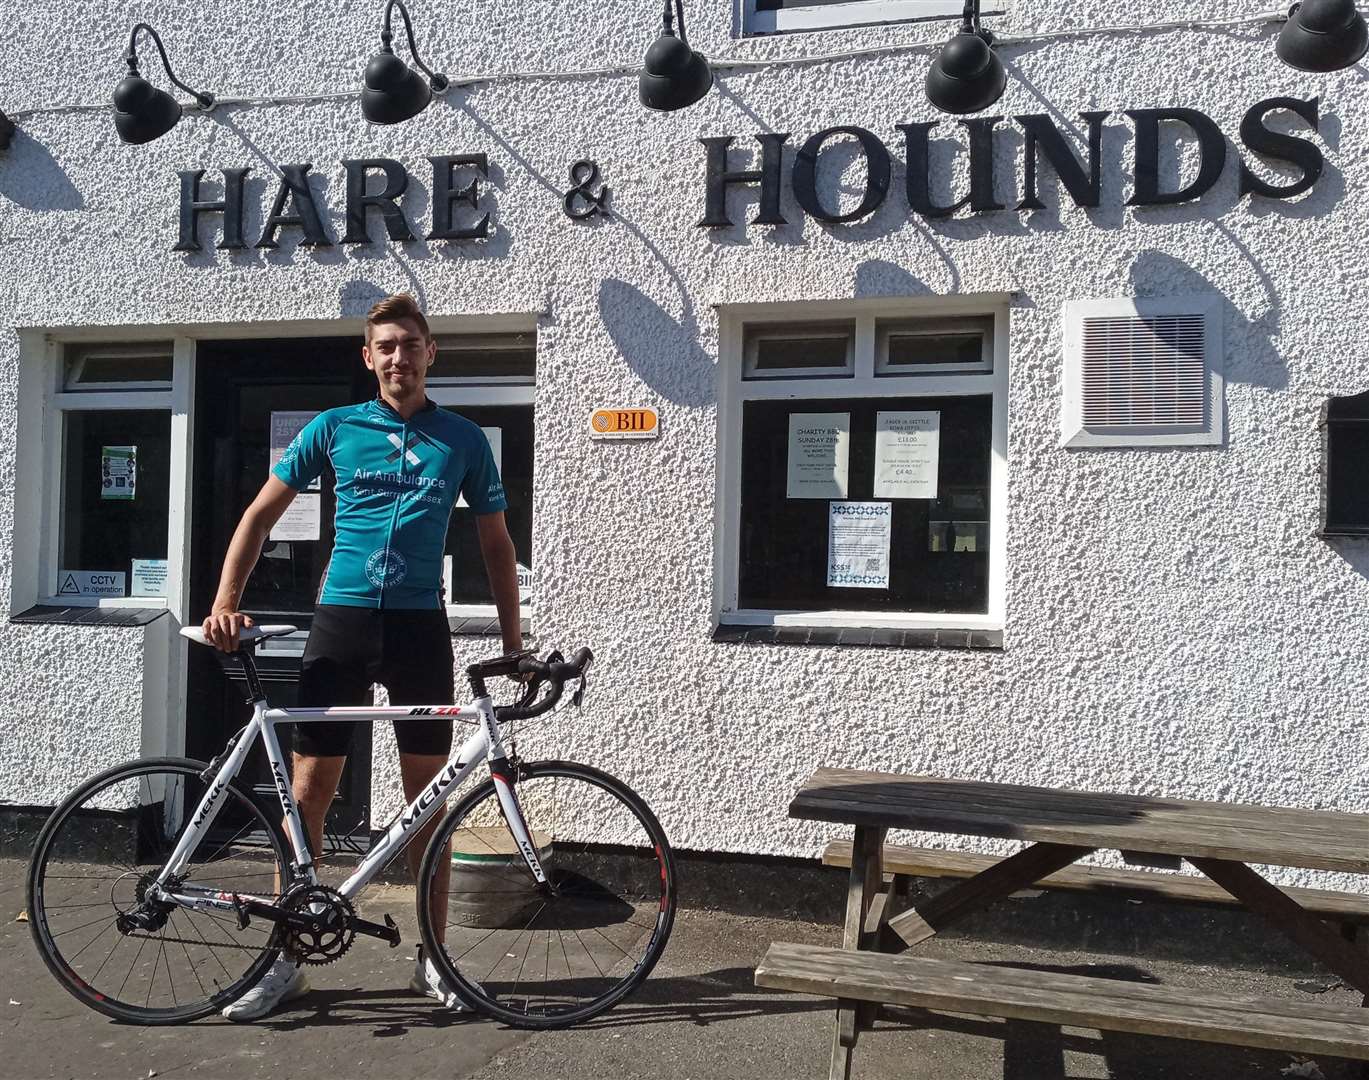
[(555, 670)]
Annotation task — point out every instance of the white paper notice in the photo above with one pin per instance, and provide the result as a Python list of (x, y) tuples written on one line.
[(819, 449), (496, 439), (858, 545), (118, 473), (907, 452), (149, 577), (284, 427), (301, 519)]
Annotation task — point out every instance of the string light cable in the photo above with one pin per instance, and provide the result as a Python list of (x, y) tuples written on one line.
[(720, 64)]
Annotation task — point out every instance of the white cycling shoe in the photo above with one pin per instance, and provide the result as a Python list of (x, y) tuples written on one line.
[(284, 982), (428, 982)]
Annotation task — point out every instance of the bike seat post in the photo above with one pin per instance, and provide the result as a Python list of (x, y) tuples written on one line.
[(249, 670)]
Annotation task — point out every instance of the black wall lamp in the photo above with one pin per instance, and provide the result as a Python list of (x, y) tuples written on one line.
[(392, 91), (1322, 35), (7, 130), (967, 74), (141, 111), (673, 75)]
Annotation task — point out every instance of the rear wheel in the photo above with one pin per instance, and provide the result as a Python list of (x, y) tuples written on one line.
[(105, 941), (550, 957)]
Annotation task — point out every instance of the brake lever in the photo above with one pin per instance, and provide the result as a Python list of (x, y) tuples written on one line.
[(579, 695)]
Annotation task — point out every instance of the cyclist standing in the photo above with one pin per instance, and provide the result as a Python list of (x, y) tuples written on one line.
[(400, 462)]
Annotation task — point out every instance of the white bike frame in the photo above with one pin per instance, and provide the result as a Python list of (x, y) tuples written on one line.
[(485, 744)]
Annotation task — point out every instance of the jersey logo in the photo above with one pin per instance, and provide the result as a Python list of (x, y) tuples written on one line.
[(402, 446), (386, 567)]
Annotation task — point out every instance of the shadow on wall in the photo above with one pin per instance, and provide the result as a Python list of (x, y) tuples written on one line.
[(659, 350), (32, 178), (358, 297), (1250, 354)]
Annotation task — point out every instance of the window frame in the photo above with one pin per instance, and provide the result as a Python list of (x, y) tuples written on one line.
[(734, 390), (174, 398), (806, 18), (455, 396)]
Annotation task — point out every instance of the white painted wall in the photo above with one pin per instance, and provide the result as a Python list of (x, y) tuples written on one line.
[(1173, 627)]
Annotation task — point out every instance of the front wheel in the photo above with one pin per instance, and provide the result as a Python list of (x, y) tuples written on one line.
[(552, 956), (123, 953)]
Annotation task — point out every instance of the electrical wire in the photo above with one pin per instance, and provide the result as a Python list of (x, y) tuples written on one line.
[(719, 65)]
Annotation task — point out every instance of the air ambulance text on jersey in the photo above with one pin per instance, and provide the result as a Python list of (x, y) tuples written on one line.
[(396, 484)]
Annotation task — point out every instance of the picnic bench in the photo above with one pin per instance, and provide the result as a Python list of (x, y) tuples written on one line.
[(883, 919)]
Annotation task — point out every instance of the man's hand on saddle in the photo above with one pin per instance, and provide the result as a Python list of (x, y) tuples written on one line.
[(223, 627)]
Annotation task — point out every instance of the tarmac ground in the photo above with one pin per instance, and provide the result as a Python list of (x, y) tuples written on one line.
[(699, 1017)]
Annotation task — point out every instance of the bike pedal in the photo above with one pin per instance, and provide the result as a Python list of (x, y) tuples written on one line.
[(243, 919), (394, 931)]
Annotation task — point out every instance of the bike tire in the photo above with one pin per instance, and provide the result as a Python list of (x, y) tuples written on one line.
[(614, 871), (97, 850)]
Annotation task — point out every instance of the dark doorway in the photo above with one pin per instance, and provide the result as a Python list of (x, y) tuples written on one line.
[(238, 386)]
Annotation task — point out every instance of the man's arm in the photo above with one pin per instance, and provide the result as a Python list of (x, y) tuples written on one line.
[(501, 565), (225, 620)]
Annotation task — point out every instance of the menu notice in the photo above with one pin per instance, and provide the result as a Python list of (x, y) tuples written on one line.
[(907, 452), (303, 517), (819, 452)]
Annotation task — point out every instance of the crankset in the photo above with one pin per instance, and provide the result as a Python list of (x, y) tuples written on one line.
[(322, 928), (317, 924)]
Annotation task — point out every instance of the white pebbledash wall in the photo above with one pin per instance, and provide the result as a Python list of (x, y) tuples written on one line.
[(1173, 626)]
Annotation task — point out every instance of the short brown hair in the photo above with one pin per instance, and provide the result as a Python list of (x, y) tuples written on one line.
[(395, 308)]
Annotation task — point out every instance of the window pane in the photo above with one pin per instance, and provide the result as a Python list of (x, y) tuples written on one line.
[(116, 477), (490, 356), (118, 364), (921, 349), (799, 347), (469, 583), (939, 559)]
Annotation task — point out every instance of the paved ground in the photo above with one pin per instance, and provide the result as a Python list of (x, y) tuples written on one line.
[(699, 1018)]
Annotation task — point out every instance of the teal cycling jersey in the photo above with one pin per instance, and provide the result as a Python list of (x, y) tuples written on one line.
[(396, 484)]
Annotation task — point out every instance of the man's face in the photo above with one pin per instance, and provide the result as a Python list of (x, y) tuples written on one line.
[(400, 356)]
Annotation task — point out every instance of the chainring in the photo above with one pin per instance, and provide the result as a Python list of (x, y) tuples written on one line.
[(325, 945)]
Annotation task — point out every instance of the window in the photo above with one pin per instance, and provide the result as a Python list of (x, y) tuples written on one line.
[(490, 380), (796, 16), (108, 440), (862, 470), (1143, 372)]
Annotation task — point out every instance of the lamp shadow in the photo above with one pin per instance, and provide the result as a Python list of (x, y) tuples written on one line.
[(33, 179)]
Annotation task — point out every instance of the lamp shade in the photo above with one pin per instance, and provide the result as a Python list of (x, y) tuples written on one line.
[(673, 75), (142, 112), (966, 76), (1323, 35), (392, 91)]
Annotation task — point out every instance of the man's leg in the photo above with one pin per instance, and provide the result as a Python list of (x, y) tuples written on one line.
[(315, 783), (417, 771)]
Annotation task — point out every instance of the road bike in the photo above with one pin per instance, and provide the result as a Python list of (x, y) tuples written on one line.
[(161, 890)]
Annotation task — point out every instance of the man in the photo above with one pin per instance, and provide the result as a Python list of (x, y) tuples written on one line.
[(400, 462)]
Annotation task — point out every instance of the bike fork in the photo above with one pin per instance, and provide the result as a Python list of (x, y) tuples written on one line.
[(505, 778)]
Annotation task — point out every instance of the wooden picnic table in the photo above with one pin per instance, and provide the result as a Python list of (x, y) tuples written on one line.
[(1062, 826)]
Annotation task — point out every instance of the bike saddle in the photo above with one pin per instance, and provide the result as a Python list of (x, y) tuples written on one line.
[(246, 636)]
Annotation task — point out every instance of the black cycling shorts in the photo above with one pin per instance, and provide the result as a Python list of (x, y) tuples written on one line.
[(408, 652)]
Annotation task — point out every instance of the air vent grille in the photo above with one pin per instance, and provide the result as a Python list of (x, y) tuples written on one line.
[(1144, 371)]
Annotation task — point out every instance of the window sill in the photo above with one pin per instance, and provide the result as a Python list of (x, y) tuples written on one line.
[(89, 615), (480, 626), (866, 637)]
